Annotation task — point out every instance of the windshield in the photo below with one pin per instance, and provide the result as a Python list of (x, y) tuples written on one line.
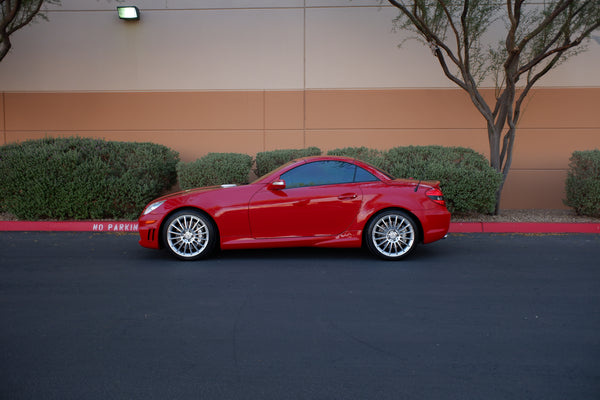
[(275, 170)]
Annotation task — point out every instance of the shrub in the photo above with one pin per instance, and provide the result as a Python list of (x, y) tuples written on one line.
[(215, 169), (267, 161), (583, 183), (468, 182), (372, 156), (79, 178)]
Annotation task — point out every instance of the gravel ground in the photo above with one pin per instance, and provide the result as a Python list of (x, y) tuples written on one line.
[(505, 216), (7, 217), (527, 216)]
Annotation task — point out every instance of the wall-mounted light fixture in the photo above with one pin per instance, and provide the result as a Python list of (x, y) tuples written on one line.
[(130, 13)]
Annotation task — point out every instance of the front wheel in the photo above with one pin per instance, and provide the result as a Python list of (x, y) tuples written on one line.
[(189, 235), (392, 235)]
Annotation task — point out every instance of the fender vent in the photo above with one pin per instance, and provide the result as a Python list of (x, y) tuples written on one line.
[(151, 233)]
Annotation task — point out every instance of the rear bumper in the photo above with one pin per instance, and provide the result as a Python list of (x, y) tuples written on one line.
[(436, 224)]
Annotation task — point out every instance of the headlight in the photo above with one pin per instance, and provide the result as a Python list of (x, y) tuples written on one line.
[(153, 207)]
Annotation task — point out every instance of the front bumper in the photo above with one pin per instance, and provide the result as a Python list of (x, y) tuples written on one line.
[(149, 233)]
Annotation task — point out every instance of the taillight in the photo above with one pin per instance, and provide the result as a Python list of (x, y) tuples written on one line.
[(436, 196)]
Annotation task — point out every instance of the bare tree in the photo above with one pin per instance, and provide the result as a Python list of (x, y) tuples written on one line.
[(537, 36), (15, 14)]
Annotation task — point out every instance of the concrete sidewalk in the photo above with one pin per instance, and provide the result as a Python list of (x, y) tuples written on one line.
[(455, 227)]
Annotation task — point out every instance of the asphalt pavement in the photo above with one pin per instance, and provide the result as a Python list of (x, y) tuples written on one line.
[(476, 316)]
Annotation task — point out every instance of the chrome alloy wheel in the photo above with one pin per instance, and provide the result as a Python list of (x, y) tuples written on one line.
[(188, 235), (393, 235)]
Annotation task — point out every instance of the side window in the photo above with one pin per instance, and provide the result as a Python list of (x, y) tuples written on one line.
[(364, 176), (319, 173)]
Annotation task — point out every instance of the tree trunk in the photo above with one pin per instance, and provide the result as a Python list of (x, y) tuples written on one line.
[(494, 136)]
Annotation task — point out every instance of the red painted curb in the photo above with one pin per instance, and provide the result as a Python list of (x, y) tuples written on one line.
[(455, 227), (466, 227), (69, 226), (540, 227)]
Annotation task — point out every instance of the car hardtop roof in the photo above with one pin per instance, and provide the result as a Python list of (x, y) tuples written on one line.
[(363, 164), (328, 158), (303, 160)]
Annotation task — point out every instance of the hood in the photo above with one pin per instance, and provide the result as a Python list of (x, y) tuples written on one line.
[(194, 191)]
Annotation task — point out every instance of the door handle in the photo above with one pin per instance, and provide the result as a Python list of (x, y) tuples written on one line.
[(301, 203), (347, 196)]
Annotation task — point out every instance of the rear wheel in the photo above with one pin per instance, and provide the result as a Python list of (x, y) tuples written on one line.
[(392, 235), (189, 235)]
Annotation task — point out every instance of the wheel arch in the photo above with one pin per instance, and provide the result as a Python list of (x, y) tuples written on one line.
[(191, 208), (378, 212)]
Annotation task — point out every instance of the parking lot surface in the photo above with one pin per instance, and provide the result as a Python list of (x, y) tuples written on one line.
[(476, 316)]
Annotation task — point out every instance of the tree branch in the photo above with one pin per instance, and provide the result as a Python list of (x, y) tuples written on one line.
[(9, 13), (560, 7), (439, 49), (15, 15), (426, 32), (465, 29), (29, 16), (453, 27), (532, 82), (440, 56), (545, 53)]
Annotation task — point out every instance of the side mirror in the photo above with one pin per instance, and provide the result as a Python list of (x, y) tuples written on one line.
[(279, 184)]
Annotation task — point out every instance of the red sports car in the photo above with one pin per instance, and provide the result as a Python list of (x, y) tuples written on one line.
[(314, 201)]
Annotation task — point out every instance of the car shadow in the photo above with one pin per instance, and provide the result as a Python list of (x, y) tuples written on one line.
[(295, 253), (422, 254)]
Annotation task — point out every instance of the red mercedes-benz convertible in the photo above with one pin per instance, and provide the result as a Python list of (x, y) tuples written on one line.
[(314, 201)]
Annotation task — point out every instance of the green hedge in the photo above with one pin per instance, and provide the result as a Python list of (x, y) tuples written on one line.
[(78, 178), (267, 161), (215, 169), (468, 182), (583, 183)]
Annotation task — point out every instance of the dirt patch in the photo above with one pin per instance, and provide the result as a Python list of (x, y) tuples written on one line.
[(556, 216), (7, 217)]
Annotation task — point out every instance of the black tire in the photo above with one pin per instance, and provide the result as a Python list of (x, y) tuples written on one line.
[(189, 235), (392, 235)]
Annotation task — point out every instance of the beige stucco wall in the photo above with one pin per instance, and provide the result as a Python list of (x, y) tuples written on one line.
[(254, 75), (233, 45), (556, 123)]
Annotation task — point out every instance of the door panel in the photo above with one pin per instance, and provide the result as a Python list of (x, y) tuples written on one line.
[(304, 211)]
